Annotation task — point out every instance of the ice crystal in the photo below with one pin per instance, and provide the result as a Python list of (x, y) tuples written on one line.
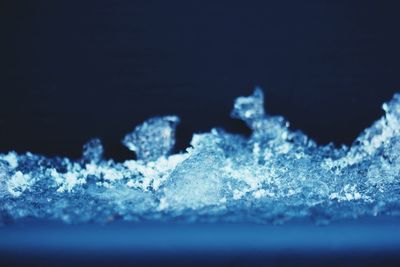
[(274, 175), (153, 139)]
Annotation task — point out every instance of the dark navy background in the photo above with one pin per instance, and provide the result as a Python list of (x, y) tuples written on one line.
[(72, 70)]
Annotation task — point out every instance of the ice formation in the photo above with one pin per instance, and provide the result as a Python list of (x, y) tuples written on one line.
[(273, 176)]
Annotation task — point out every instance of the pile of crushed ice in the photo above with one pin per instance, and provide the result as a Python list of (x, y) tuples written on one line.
[(273, 176)]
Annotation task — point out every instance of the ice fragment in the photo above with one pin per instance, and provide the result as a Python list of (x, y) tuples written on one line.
[(152, 139)]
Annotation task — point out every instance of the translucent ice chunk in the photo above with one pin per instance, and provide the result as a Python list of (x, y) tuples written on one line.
[(93, 150), (193, 184), (152, 139), (250, 109)]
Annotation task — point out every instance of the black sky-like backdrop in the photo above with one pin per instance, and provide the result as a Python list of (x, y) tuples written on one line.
[(73, 70)]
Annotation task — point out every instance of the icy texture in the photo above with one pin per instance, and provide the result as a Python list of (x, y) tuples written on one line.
[(153, 139), (93, 151), (273, 176)]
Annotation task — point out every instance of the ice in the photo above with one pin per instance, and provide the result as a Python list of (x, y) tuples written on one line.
[(250, 109), (274, 175), (152, 139), (93, 151)]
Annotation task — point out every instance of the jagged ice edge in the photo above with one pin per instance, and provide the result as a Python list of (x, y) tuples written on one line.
[(274, 175)]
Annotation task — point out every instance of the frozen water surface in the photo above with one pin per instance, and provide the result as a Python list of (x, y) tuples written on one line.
[(275, 175)]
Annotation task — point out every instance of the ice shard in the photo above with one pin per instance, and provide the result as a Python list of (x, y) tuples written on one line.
[(274, 175), (152, 139), (93, 151)]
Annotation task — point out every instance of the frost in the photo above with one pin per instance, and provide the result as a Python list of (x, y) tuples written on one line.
[(12, 159), (18, 183), (275, 175)]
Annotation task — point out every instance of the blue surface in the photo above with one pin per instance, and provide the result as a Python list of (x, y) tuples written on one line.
[(363, 240)]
